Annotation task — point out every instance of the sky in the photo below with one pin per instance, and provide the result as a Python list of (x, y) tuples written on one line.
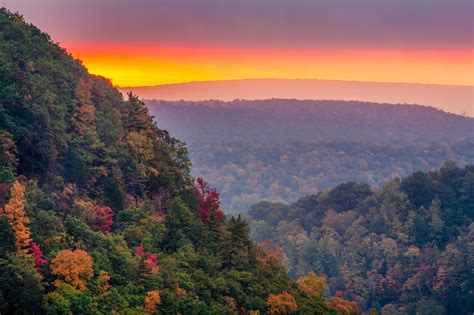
[(146, 42)]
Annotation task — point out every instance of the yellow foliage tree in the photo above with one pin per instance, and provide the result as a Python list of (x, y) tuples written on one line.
[(282, 303), (141, 146), (152, 300), (312, 285), (14, 211), (103, 281), (343, 306), (74, 266)]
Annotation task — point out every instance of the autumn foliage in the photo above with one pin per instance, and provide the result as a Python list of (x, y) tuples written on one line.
[(150, 259), (140, 251), (269, 254), (207, 200), (312, 285), (180, 292), (14, 211), (74, 267), (102, 218), (152, 300), (37, 256), (343, 306), (282, 303), (103, 281)]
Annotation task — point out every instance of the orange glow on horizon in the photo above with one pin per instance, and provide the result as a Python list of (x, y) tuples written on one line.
[(135, 65)]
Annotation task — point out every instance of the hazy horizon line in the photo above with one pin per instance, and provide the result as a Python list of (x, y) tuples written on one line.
[(292, 79)]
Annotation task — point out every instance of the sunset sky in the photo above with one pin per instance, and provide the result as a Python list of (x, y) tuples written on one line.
[(145, 42)]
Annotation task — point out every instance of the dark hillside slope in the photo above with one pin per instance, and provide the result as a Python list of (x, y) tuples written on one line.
[(98, 212)]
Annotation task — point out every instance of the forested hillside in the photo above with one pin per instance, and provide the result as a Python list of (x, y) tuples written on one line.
[(284, 120), (406, 248), (281, 150), (248, 173), (98, 212)]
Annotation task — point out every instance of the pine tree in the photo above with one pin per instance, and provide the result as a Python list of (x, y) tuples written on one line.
[(136, 116), (236, 243), (83, 113)]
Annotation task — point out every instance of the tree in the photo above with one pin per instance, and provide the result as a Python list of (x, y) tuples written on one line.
[(14, 211), (8, 158), (20, 286), (103, 281), (343, 306), (73, 266), (347, 196), (152, 263), (83, 113), (269, 254), (65, 200), (282, 303), (102, 218), (420, 189), (152, 300), (207, 200), (150, 259), (312, 285), (37, 256), (136, 116), (236, 243)]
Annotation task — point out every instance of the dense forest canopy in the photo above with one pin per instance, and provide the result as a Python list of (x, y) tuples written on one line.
[(406, 248), (247, 173), (281, 150), (98, 211)]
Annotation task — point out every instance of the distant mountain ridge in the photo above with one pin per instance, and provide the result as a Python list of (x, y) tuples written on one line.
[(282, 120), (280, 149), (458, 99)]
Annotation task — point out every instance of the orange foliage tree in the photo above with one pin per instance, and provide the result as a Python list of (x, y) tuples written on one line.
[(74, 266), (14, 211), (180, 292), (152, 300), (343, 306), (282, 303), (269, 254), (312, 285)]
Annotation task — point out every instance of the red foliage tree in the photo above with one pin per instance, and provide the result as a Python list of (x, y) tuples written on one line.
[(152, 263), (103, 218), (38, 256), (207, 200), (150, 259), (140, 251)]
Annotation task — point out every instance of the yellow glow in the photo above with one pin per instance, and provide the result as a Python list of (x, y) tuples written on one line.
[(152, 65)]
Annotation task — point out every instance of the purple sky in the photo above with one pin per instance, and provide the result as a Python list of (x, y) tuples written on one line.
[(328, 24)]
